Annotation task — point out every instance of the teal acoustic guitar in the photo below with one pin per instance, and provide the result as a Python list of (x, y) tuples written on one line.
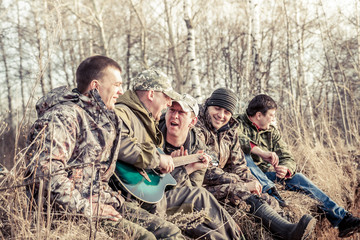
[(148, 185)]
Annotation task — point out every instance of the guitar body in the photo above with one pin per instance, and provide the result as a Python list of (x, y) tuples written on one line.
[(133, 182)]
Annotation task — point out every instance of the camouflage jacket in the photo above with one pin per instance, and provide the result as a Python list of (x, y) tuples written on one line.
[(223, 145), (193, 144), (269, 140), (74, 144), (140, 135)]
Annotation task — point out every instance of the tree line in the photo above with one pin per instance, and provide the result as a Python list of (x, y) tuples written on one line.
[(304, 54)]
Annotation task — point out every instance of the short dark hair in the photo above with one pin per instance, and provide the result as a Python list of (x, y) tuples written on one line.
[(93, 68), (260, 103)]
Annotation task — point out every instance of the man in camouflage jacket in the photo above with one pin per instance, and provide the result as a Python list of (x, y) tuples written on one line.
[(256, 131), (229, 166), (182, 138), (74, 143), (141, 109), (229, 179)]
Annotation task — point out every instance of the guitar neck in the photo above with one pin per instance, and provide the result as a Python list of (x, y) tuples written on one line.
[(184, 160)]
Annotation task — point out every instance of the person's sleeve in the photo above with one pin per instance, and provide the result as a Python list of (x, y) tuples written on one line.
[(197, 177), (181, 177), (245, 142), (142, 155), (237, 162), (283, 152), (55, 141)]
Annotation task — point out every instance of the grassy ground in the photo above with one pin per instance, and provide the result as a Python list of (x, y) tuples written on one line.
[(340, 179)]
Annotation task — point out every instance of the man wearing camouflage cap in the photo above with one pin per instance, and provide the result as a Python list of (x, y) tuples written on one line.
[(73, 146), (140, 109)]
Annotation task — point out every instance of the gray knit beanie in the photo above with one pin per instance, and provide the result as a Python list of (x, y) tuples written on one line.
[(224, 98)]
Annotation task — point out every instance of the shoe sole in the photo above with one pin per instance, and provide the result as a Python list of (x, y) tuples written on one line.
[(349, 232)]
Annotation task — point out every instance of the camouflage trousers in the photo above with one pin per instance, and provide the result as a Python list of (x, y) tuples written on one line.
[(190, 203), (227, 187), (138, 223), (235, 194), (158, 226), (125, 229)]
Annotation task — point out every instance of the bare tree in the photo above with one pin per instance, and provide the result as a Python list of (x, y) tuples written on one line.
[(21, 54), (194, 82), (173, 49), (4, 59), (292, 94)]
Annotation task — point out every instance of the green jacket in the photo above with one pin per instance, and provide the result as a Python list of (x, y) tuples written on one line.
[(268, 140), (140, 135)]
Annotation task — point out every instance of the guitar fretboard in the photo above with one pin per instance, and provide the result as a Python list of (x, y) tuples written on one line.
[(184, 160)]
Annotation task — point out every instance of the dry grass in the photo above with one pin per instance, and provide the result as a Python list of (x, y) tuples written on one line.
[(338, 178)]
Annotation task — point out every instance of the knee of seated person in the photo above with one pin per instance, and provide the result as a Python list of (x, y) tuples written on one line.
[(299, 176)]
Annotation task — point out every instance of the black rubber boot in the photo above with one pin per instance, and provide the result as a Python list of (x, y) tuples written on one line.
[(274, 193), (277, 225), (349, 225)]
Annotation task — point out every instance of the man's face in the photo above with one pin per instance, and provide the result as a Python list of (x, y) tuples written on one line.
[(264, 121), (178, 122), (161, 102), (110, 87), (219, 116)]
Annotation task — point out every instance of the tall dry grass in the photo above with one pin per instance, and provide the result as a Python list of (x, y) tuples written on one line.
[(336, 173)]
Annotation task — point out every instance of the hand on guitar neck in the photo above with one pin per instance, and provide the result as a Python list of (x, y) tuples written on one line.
[(166, 164), (192, 167)]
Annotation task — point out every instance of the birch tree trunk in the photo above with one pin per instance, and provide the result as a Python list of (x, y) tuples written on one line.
[(40, 49), (257, 87), (64, 64), (79, 32), (100, 24), (143, 36), (194, 82), (249, 52), (48, 46), (178, 74)]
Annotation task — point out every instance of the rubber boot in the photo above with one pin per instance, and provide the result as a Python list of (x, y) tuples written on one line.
[(279, 226)]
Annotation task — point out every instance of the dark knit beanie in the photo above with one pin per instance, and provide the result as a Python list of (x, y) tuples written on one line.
[(224, 98)]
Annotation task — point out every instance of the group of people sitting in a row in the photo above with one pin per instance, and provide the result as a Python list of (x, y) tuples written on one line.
[(81, 134)]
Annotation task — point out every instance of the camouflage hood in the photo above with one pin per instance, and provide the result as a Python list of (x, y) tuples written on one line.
[(131, 100), (63, 95)]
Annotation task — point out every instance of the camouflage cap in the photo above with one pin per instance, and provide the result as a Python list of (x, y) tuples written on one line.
[(156, 80), (188, 104)]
